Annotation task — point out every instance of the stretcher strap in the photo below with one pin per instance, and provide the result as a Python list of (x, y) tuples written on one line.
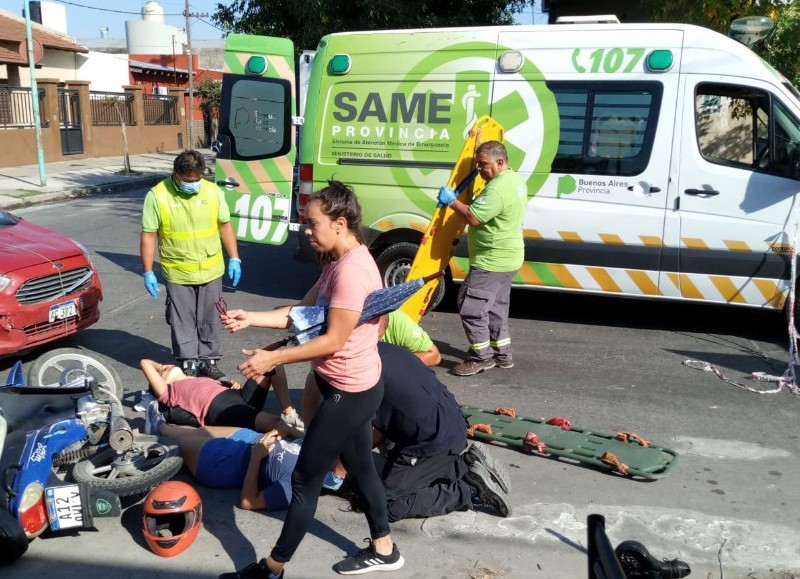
[(485, 428), (508, 411), (706, 367), (611, 459), (561, 422), (629, 437), (532, 440)]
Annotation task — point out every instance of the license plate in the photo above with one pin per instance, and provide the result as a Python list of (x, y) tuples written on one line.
[(63, 311), (64, 507)]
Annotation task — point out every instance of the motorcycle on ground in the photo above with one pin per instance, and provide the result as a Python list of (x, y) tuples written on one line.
[(69, 454)]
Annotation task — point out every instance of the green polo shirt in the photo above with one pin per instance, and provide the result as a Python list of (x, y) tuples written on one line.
[(496, 244)]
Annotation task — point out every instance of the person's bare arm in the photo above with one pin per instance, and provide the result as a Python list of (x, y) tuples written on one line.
[(430, 357), (278, 318), (339, 327), (147, 249), (252, 498), (152, 371), (229, 239), (462, 209)]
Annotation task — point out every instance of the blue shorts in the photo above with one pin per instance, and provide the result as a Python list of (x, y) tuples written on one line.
[(223, 462)]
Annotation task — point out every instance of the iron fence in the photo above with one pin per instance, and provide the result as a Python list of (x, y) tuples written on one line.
[(160, 110), (16, 107), (110, 108)]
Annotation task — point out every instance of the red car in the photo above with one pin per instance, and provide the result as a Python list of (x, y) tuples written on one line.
[(49, 288)]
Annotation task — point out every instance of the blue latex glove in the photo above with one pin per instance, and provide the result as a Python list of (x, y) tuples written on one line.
[(234, 270), (332, 482), (151, 284), (446, 196)]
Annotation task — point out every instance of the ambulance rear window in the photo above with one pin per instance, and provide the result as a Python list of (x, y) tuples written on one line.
[(605, 128)]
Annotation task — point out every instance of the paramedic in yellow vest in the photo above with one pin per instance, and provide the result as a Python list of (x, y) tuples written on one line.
[(496, 251), (188, 216)]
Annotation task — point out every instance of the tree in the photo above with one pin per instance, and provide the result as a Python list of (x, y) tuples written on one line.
[(210, 91), (305, 22), (781, 48)]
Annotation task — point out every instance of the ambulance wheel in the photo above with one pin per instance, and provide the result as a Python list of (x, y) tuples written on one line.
[(394, 263)]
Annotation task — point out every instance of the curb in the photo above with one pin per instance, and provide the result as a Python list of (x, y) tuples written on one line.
[(83, 191)]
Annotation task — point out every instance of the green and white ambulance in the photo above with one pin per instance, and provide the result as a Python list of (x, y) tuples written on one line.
[(662, 160)]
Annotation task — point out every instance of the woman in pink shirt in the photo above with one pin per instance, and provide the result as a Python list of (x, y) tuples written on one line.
[(347, 370)]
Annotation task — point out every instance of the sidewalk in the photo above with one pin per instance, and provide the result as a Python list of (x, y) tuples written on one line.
[(20, 186)]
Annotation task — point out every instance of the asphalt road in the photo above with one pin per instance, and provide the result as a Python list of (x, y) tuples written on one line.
[(728, 507)]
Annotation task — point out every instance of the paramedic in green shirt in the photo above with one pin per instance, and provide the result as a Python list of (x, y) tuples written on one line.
[(399, 329), (186, 217), (496, 252)]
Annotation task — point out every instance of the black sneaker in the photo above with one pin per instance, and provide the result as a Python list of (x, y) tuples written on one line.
[(252, 571), (189, 367), (488, 493), (479, 452), (368, 559), (209, 369)]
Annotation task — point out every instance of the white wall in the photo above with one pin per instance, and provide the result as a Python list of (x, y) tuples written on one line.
[(106, 72)]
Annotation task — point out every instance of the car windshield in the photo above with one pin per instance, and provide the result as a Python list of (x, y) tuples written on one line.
[(7, 219)]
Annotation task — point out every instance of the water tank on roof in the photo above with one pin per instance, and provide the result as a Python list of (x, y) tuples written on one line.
[(152, 12)]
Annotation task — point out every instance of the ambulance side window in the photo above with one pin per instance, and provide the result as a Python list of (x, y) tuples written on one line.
[(747, 128), (255, 117), (605, 128)]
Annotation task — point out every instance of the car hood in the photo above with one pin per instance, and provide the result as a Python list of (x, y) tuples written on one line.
[(25, 244)]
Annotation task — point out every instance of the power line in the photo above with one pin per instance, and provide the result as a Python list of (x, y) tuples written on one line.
[(109, 9)]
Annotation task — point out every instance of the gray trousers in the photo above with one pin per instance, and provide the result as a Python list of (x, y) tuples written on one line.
[(194, 320), (483, 302)]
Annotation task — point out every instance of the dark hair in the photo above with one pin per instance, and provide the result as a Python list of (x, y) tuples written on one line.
[(495, 150), (189, 161), (339, 200)]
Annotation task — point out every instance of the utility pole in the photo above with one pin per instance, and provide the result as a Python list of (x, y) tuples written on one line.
[(188, 14), (37, 120)]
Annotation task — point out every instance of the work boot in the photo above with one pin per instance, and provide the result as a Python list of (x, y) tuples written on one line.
[(469, 367), (479, 452), (487, 493), (209, 369), (189, 367), (504, 361)]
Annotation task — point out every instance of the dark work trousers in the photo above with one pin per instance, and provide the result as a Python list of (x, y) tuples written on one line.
[(483, 302), (195, 323), (426, 487), (342, 427)]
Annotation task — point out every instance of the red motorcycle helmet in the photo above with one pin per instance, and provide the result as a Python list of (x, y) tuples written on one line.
[(173, 513)]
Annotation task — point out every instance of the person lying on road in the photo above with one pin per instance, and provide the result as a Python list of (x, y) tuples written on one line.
[(213, 404)]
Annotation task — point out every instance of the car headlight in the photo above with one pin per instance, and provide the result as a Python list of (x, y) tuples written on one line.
[(85, 253), (4, 282)]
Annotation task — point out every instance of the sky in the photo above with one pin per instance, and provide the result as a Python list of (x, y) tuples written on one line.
[(86, 17)]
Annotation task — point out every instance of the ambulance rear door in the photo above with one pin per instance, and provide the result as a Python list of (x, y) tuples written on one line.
[(256, 141)]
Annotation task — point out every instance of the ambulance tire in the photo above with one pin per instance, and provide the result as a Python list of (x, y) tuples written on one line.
[(394, 263)]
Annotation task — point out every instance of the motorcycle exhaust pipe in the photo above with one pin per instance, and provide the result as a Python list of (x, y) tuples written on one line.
[(120, 437)]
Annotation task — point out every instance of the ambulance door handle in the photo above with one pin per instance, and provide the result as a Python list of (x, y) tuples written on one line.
[(643, 188), (709, 192)]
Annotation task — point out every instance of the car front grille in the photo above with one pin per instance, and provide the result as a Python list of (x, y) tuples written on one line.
[(51, 287)]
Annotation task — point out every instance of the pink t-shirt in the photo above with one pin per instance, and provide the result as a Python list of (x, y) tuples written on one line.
[(193, 395), (345, 284)]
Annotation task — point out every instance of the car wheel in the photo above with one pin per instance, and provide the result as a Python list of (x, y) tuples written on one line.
[(394, 263)]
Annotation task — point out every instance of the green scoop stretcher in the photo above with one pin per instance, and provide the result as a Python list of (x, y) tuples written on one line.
[(624, 453)]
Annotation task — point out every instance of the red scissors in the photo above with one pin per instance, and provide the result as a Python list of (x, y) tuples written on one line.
[(222, 306)]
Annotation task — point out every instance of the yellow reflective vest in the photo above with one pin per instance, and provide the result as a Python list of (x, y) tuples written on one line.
[(188, 239)]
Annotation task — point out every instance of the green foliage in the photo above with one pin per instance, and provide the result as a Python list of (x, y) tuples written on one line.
[(306, 21), (211, 92), (781, 49)]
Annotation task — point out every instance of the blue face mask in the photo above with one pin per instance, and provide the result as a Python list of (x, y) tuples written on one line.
[(189, 188)]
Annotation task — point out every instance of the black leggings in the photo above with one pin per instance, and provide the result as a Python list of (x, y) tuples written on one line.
[(342, 427)]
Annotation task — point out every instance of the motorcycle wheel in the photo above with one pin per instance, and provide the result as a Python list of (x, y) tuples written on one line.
[(151, 461), (62, 365)]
